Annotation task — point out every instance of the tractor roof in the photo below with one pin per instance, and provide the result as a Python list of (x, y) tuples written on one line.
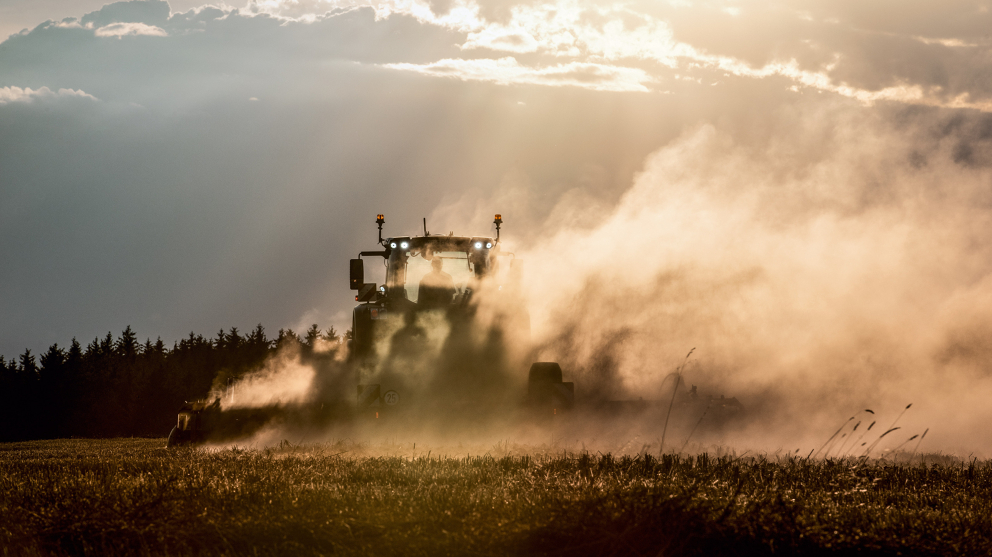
[(443, 243)]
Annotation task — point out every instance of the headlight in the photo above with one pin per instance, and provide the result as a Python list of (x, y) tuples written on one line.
[(393, 245), (382, 288), (404, 245), (489, 245), (478, 245)]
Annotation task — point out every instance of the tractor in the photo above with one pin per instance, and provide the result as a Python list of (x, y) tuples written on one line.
[(441, 344), (420, 337), (194, 422)]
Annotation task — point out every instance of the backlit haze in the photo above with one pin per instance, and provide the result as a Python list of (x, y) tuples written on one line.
[(802, 191)]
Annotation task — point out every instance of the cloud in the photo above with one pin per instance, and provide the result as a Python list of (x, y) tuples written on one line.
[(130, 29), (461, 15), (16, 94), (507, 71), (837, 49), (811, 48), (149, 12), (621, 34), (953, 43), (820, 80)]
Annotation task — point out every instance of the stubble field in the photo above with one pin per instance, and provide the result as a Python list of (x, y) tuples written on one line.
[(134, 497)]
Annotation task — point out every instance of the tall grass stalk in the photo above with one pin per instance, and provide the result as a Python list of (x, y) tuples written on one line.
[(900, 445), (891, 429), (696, 426), (918, 445), (834, 435), (844, 453), (838, 443), (678, 378), (860, 437), (841, 442), (872, 446), (899, 417)]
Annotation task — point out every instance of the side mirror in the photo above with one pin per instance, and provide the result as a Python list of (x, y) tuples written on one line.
[(357, 274)]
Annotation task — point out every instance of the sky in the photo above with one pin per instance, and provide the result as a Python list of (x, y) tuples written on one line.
[(805, 178)]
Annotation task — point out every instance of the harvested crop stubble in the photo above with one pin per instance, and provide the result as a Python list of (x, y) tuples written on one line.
[(132, 496)]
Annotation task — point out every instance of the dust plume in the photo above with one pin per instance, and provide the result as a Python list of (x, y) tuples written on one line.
[(832, 260), (284, 379)]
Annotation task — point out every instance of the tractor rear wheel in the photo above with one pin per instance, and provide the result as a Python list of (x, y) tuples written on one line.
[(541, 381)]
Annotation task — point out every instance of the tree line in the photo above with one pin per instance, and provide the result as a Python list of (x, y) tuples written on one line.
[(122, 387)]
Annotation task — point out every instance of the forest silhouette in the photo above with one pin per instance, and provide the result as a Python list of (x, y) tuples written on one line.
[(122, 387)]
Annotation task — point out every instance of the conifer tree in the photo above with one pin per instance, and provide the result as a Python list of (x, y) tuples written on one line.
[(127, 345), (234, 339), (313, 333), (107, 345), (52, 361), (28, 368), (331, 335)]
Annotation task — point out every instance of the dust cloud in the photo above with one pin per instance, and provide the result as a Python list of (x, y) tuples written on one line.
[(830, 260), (284, 379)]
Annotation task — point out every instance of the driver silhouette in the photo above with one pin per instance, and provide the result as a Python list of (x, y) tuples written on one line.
[(436, 288)]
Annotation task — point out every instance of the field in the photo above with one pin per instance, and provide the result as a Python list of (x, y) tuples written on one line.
[(134, 497)]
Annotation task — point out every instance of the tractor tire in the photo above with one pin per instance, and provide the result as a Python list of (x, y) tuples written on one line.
[(545, 372), (540, 382)]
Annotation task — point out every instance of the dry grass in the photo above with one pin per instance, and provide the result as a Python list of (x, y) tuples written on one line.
[(131, 496)]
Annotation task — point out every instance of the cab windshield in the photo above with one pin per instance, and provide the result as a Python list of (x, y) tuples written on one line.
[(453, 263)]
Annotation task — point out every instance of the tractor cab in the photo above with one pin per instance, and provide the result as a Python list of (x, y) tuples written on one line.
[(435, 271), (429, 272)]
